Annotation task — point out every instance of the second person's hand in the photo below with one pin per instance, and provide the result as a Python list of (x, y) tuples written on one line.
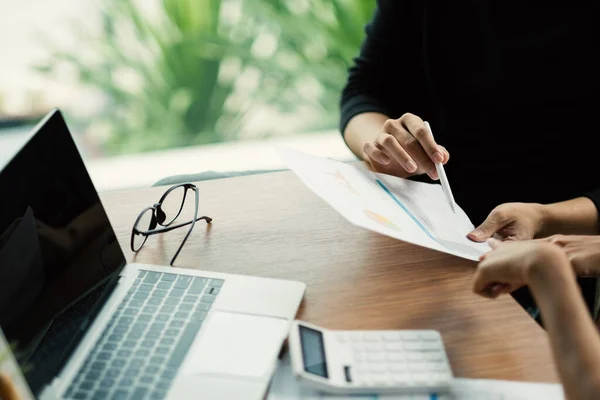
[(510, 221), (510, 264), (583, 251), (405, 148)]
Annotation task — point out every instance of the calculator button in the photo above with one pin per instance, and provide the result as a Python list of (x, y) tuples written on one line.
[(393, 346), (428, 346), (377, 367), (391, 336), (395, 356), (437, 366), (443, 376), (440, 379), (412, 346), (435, 356), (401, 379), (355, 337), (415, 357), (397, 367), (418, 366), (360, 369), (371, 336), (410, 336), (376, 357), (373, 347), (420, 378), (430, 336)]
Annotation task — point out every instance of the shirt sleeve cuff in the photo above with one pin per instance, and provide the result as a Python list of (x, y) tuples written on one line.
[(358, 105), (594, 196)]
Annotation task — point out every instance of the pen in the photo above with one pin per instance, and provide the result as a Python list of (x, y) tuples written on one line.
[(443, 178)]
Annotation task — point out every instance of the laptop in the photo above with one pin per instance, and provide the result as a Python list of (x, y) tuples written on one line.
[(85, 324)]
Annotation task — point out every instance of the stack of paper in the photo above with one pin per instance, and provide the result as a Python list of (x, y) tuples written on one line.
[(411, 211), (284, 386)]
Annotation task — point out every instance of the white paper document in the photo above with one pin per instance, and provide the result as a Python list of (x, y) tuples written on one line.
[(284, 386), (407, 210)]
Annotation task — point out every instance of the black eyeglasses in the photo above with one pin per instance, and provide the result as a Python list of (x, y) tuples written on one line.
[(164, 213)]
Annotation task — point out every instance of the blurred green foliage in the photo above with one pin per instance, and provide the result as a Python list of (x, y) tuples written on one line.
[(198, 71)]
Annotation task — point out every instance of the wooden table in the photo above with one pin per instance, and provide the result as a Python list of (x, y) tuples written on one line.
[(271, 225)]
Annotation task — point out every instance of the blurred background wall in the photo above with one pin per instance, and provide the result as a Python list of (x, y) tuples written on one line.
[(138, 79)]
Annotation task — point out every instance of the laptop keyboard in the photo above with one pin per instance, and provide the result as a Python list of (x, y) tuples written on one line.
[(143, 345)]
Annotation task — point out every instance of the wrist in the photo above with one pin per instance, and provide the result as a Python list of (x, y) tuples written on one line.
[(578, 216), (548, 264), (552, 220), (547, 220), (362, 128), (546, 217)]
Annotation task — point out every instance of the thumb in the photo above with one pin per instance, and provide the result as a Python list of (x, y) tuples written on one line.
[(486, 230)]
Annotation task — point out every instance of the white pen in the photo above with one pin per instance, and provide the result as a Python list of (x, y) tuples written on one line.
[(443, 178)]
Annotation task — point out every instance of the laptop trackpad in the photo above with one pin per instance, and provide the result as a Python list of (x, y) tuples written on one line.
[(237, 344)]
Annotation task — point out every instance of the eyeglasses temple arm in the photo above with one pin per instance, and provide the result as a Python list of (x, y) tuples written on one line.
[(192, 222), (170, 228)]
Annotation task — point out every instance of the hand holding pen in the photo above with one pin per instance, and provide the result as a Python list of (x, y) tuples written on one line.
[(405, 148), (443, 178)]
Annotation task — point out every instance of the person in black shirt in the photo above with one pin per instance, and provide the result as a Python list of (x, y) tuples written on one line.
[(509, 89)]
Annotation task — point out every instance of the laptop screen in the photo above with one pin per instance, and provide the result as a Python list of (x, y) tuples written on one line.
[(58, 253)]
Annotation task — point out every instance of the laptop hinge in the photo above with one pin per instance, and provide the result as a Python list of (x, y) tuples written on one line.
[(50, 392)]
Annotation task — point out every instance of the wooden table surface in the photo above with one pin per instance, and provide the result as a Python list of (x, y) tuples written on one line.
[(272, 225)]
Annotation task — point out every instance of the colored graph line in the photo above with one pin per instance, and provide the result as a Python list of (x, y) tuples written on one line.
[(380, 219), (342, 181), (419, 224)]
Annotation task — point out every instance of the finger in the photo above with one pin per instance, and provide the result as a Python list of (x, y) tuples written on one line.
[(493, 223), (559, 240), (422, 132), (485, 277), (375, 154), (411, 146), (480, 288), (499, 288), (390, 146), (494, 243), (445, 153), (487, 289), (491, 290)]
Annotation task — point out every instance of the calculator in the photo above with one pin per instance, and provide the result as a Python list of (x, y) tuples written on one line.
[(369, 362)]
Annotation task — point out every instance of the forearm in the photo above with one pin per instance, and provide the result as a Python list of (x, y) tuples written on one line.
[(363, 128), (572, 217), (574, 339)]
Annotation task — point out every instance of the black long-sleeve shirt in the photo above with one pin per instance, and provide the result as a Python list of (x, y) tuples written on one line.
[(509, 88)]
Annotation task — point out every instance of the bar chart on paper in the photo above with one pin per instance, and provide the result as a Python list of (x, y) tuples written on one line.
[(340, 179), (380, 219), (407, 210)]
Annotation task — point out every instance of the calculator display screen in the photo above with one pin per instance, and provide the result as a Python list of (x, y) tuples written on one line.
[(313, 351)]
